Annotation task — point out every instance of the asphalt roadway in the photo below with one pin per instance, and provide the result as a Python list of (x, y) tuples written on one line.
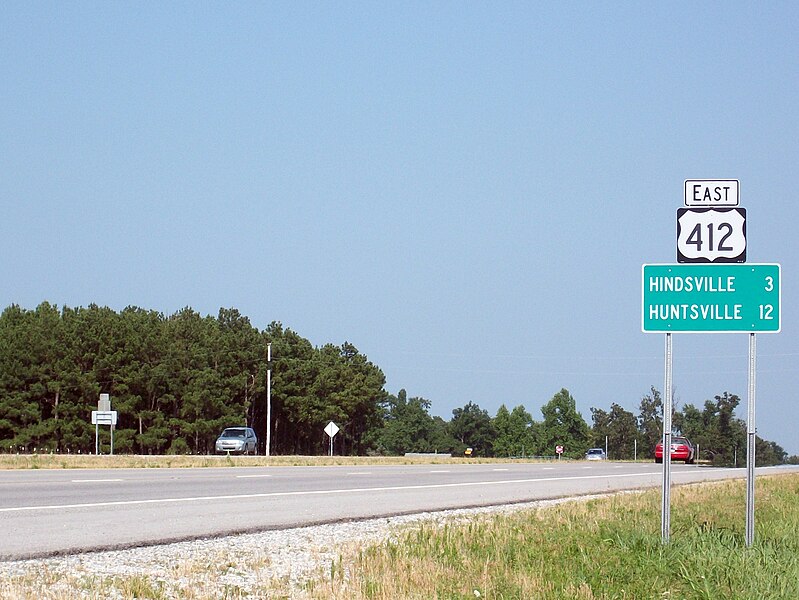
[(55, 512)]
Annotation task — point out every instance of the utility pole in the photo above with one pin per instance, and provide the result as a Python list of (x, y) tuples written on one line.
[(268, 398)]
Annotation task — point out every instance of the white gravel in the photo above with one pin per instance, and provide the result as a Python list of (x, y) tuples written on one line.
[(241, 562)]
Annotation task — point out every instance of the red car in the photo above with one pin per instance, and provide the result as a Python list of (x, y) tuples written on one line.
[(681, 449)]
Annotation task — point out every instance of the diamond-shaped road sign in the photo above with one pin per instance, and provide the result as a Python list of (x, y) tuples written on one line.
[(331, 429)]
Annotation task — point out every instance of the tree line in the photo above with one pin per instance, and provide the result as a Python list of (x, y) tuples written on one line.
[(176, 381), (719, 435)]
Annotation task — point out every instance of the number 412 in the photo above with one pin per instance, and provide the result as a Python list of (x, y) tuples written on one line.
[(695, 237)]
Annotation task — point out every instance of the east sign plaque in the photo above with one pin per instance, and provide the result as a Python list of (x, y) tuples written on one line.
[(712, 192), (711, 298)]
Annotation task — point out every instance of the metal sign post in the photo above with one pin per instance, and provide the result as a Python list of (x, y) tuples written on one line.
[(268, 399), (750, 446), (665, 512)]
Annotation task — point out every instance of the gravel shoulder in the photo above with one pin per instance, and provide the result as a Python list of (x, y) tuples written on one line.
[(236, 566)]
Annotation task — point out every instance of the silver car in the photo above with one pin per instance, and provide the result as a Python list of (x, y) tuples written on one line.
[(595, 454), (239, 440)]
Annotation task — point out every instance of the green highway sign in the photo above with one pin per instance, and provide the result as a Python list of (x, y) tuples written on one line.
[(711, 298)]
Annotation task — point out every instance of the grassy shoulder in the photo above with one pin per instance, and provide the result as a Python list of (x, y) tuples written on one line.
[(607, 548), (127, 461)]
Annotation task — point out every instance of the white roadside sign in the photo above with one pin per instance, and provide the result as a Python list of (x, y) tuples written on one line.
[(711, 235), (104, 417), (712, 192), (331, 429)]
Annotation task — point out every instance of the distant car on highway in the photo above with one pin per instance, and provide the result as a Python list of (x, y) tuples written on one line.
[(681, 449), (239, 440), (595, 454)]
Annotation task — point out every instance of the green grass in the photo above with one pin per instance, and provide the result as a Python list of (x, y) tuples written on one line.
[(609, 548)]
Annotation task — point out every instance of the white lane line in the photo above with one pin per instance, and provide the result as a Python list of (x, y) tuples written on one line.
[(251, 476), (333, 492), (500, 469), (548, 469), (439, 471), (95, 480), (359, 473)]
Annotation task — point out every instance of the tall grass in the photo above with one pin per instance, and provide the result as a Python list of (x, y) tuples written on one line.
[(608, 548)]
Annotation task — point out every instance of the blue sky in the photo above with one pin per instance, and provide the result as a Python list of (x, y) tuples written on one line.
[(465, 191)]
